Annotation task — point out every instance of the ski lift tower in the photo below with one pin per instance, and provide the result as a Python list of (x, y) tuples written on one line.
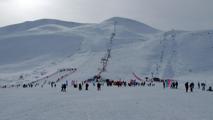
[(105, 59)]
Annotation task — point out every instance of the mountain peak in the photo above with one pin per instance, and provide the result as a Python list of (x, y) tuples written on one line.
[(133, 25), (120, 19)]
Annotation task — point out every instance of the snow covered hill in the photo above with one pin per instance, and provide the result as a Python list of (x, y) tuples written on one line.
[(44, 46), (21, 27)]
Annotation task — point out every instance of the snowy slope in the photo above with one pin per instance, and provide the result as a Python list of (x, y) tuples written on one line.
[(28, 50)]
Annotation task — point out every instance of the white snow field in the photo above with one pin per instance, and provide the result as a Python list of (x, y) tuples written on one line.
[(36, 52), (111, 103)]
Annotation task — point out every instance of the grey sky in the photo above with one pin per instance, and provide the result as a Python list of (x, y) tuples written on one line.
[(161, 14)]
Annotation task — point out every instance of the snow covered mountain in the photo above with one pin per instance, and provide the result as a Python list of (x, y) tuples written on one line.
[(21, 27), (46, 45)]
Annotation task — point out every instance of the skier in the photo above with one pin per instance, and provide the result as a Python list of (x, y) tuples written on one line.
[(191, 86), (187, 86)]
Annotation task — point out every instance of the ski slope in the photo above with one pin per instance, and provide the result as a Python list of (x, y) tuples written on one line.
[(38, 48)]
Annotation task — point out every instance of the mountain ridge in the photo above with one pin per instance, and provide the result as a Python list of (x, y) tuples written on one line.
[(36, 23), (41, 22)]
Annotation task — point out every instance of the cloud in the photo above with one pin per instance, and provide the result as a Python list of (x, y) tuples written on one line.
[(163, 14)]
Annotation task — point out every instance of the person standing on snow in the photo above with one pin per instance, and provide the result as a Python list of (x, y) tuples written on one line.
[(87, 86), (99, 86), (187, 86), (63, 88), (176, 84), (203, 86), (210, 89), (80, 87), (198, 84), (164, 84), (191, 86)]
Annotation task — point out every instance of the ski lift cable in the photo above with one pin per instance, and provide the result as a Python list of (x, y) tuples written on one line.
[(105, 59)]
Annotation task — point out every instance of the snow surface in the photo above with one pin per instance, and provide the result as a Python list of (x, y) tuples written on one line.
[(111, 103), (38, 49), (44, 46)]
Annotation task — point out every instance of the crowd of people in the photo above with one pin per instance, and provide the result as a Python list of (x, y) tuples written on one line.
[(173, 84), (98, 82), (191, 86), (187, 86), (170, 83)]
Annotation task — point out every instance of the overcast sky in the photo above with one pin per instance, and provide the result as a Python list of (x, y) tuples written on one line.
[(161, 14)]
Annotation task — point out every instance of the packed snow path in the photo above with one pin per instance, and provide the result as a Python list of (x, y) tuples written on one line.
[(56, 76), (111, 103)]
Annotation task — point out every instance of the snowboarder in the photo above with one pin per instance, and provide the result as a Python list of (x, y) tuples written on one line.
[(191, 86), (187, 86)]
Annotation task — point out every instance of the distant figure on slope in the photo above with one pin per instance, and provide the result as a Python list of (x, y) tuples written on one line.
[(176, 84), (63, 88), (198, 84), (187, 86), (203, 86), (79, 86), (164, 84), (191, 86), (87, 86), (51, 84), (210, 89), (99, 86)]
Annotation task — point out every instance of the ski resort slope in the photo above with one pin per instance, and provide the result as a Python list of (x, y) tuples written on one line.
[(39, 48), (111, 103)]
